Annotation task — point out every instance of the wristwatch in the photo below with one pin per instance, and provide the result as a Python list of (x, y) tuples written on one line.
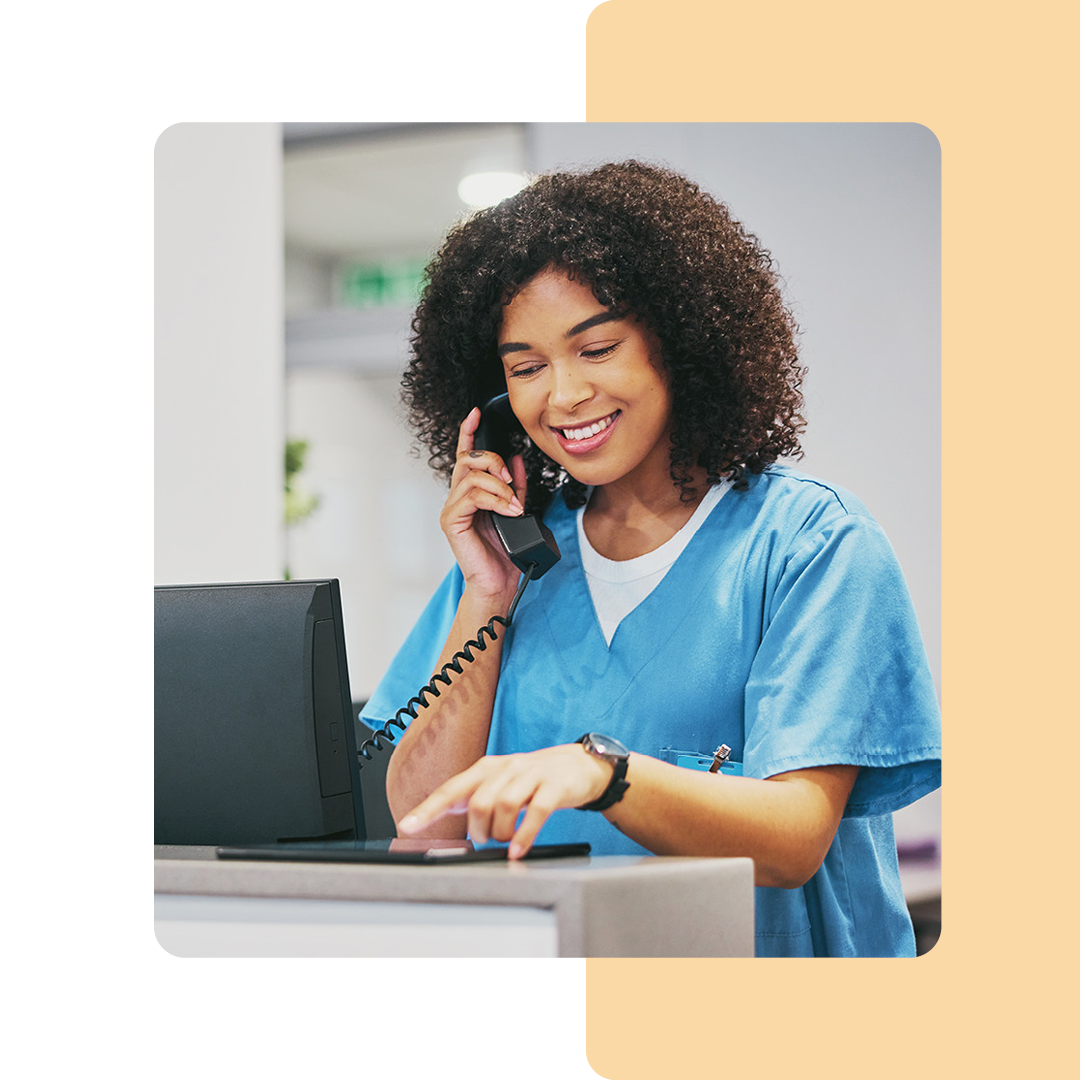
[(615, 754)]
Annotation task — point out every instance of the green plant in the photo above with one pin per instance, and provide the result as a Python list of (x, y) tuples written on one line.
[(298, 504)]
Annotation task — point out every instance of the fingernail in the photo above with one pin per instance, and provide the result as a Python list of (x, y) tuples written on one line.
[(407, 824), (515, 851), (516, 506), (506, 476)]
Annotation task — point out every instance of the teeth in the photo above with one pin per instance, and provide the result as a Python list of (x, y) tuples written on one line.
[(577, 434)]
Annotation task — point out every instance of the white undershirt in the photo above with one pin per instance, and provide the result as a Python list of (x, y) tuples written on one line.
[(618, 587)]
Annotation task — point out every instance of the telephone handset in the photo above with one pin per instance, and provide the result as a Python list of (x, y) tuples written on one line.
[(532, 549), (526, 540)]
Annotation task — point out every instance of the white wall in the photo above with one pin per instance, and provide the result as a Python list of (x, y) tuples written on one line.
[(219, 354), (376, 527)]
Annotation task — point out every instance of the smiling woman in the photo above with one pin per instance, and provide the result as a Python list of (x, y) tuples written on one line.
[(648, 243), (705, 594), (588, 386)]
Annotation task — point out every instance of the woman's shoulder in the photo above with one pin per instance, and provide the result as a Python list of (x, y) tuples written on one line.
[(780, 488), (793, 511)]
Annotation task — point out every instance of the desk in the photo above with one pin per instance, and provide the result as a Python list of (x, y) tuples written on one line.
[(594, 906)]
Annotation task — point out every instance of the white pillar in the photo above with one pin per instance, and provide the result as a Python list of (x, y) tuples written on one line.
[(219, 354)]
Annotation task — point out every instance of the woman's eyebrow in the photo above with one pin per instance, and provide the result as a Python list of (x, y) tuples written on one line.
[(595, 320), (588, 324)]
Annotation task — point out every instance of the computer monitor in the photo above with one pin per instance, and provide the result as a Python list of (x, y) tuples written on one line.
[(253, 731)]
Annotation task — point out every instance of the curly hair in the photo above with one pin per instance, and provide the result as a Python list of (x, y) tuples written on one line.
[(648, 242)]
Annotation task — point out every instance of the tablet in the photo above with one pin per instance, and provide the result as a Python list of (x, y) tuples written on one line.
[(409, 852)]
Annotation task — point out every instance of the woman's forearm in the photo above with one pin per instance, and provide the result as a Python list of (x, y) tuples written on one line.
[(785, 824), (451, 732)]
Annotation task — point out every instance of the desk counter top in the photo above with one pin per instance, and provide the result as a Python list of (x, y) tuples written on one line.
[(604, 905)]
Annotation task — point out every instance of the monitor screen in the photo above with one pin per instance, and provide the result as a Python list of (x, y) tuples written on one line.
[(253, 730)]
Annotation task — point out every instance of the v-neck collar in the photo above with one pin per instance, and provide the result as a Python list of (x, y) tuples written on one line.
[(659, 558), (643, 630)]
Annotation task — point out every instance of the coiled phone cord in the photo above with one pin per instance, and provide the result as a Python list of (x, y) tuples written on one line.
[(454, 664)]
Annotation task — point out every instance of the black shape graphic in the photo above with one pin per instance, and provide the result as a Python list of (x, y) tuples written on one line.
[(32, 721), (39, 489), (41, 261), (9, 332), (9, 939)]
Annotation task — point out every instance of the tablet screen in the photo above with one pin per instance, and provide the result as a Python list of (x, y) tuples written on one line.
[(413, 852)]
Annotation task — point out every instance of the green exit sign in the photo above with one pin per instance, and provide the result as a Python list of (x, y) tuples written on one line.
[(390, 284)]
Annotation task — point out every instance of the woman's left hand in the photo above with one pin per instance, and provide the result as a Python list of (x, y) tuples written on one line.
[(495, 790)]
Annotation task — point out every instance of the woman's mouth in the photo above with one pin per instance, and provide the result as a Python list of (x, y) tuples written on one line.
[(587, 437)]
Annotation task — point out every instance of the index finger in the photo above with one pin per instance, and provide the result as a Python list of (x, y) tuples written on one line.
[(467, 430), (492, 462)]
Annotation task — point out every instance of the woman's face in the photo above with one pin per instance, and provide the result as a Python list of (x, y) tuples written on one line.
[(588, 387)]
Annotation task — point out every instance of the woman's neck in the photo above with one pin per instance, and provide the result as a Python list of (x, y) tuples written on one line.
[(626, 521)]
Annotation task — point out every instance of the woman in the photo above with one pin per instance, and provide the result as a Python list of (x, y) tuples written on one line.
[(705, 595)]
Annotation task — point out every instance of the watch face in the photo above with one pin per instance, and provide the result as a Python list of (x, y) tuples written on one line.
[(605, 744)]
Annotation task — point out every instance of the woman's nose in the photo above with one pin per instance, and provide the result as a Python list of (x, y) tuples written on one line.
[(569, 390)]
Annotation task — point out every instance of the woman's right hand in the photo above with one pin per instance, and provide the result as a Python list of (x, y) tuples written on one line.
[(482, 481)]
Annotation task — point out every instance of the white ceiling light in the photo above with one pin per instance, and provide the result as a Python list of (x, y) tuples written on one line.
[(488, 188)]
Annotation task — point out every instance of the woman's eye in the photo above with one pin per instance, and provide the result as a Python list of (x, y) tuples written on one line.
[(599, 353), (525, 372)]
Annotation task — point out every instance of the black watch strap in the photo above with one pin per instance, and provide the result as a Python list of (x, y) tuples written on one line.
[(618, 784)]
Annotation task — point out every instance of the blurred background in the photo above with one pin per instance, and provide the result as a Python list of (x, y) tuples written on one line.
[(287, 262), (363, 214)]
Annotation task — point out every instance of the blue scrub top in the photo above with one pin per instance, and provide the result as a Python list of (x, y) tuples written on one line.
[(785, 630)]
